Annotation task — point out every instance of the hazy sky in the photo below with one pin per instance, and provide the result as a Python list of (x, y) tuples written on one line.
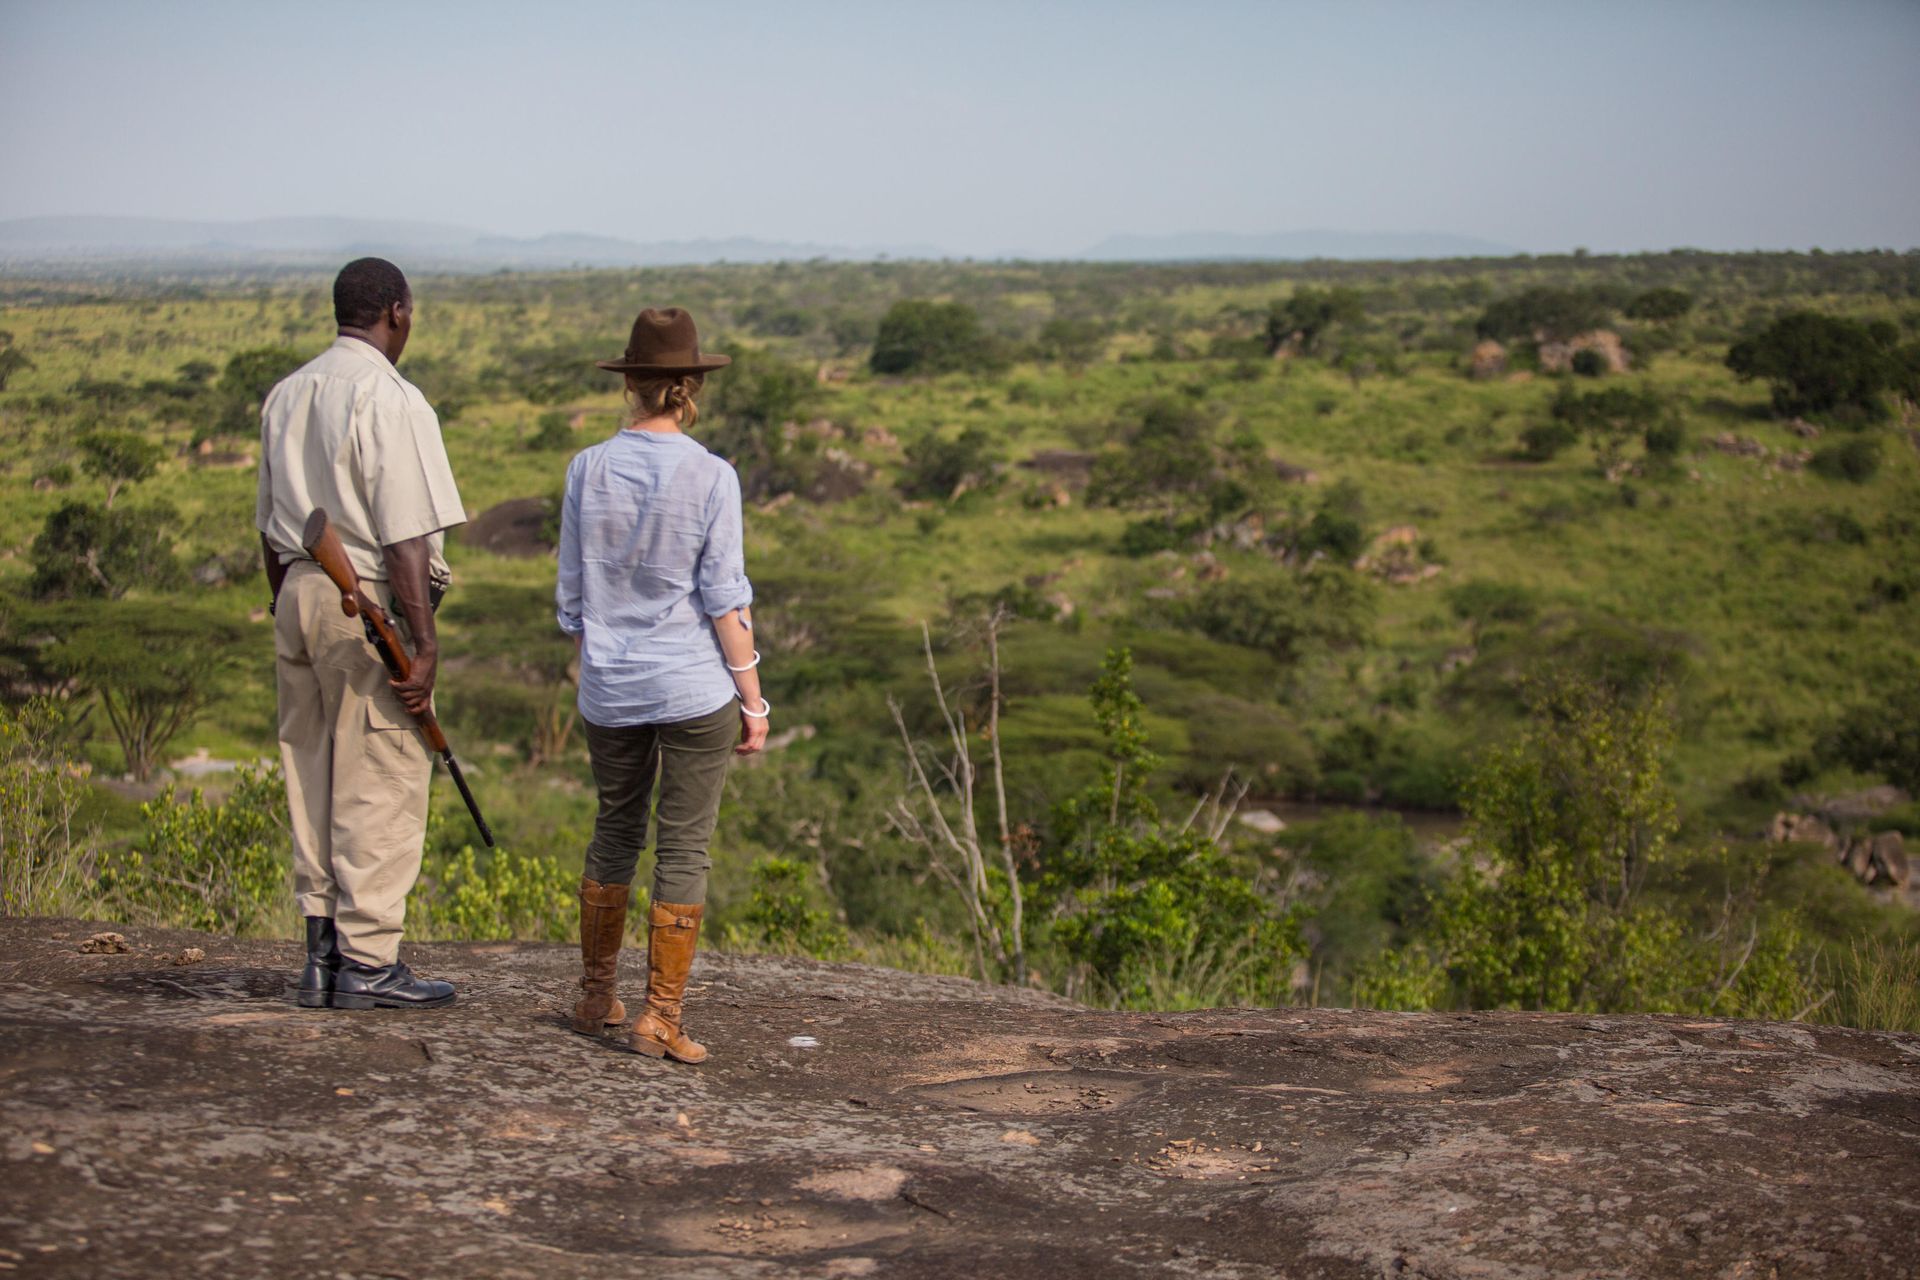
[(983, 127)]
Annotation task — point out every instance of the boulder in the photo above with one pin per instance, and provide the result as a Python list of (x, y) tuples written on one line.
[(1801, 828), (1395, 557), (1888, 859), (1488, 360), (1858, 859)]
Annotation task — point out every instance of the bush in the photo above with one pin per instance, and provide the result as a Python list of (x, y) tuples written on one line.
[(1482, 602), (1661, 306), (1283, 614), (1303, 320), (1881, 737), (505, 894), (44, 861), (1544, 441), (221, 868), (943, 469), (551, 432), (1664, 439), (1857, 460), (1588, 363), (780, 917)]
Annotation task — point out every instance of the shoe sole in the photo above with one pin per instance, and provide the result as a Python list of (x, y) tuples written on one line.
[(315, 1000), (654, 1049), (343, 1001)]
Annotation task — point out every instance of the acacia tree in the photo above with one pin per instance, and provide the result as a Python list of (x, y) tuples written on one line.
[(1824, 364), (120, 458), (153, 665)]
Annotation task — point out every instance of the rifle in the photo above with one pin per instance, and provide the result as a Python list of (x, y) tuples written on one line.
[(324, 545)]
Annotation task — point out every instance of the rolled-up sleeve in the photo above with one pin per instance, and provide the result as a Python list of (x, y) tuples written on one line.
[(566, 590), (722, 579)]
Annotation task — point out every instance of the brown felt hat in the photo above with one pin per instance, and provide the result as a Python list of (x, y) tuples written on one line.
[(664, 342)]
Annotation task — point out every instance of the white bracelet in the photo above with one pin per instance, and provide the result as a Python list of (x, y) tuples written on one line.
[(766, 709), (750, 666)]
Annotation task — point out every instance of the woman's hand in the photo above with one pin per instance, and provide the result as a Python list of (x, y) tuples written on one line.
[(753, 733)]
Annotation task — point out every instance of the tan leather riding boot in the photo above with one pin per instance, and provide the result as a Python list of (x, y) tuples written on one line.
[(603, 922), (673, 929)]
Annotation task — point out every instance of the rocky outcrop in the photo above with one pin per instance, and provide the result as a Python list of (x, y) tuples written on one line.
[(1836, 824), (1488, 359), (174, 1116), (1557, 357)]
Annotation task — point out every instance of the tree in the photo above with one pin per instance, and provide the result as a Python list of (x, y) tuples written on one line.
[(1304, 319), (244, 384), (1543, 314), (152, 664), (752, 406), (1661, 306), (120, 458), (920, 336), (85, 550), (1820, 364)]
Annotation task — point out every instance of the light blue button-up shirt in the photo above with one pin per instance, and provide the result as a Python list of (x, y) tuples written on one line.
[(649, 554)]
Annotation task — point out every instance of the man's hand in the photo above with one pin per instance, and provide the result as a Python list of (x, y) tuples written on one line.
[(407, 569), (753, 733), (416, 691)]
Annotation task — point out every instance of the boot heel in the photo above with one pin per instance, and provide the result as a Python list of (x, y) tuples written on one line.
[(316, 999), (651, 1048)]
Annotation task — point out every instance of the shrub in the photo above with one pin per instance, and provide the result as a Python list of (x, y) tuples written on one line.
[(1857, 460), (44, 861), (1482, 602), (939, 468), (1284, 614), (1303, 320), (1588, 363), (120, 458), (222, 868), (1664, 439), (780, 917), (505, 894), (1543, 441), (1880, 737), (551, 431)]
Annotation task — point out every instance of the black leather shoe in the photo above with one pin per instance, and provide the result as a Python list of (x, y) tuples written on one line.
[(359, 986), (323, 962)]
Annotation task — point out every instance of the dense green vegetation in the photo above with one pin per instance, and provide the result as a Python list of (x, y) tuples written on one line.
[(1334, 554)]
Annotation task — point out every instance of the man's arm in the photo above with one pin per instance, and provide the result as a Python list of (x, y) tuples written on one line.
[(276, 572), (407, 575)]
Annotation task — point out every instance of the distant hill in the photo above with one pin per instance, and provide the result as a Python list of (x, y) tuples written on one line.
[(1200, 246), (302, 241)]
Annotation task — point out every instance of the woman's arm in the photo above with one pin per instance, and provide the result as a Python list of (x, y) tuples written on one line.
[(566, 590), (735, 630), (725, 597)]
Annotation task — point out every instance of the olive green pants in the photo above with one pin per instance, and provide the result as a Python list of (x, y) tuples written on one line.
[(689, 758)]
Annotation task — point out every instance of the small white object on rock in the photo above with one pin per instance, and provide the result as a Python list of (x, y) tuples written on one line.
[(803, 1042)]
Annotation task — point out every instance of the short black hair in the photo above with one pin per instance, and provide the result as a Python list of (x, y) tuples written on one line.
[(364, 289)]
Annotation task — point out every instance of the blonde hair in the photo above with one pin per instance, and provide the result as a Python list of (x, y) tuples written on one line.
[(650, 397)]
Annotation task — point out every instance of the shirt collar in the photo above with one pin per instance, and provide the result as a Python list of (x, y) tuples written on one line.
[(366, 350)]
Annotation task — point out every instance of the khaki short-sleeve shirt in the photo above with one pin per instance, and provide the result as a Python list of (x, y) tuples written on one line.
[(346, 432)]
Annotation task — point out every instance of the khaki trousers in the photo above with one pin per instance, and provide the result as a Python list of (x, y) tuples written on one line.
[(357, 770)]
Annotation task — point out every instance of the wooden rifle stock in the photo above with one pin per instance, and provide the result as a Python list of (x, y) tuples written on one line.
[(324, 545)]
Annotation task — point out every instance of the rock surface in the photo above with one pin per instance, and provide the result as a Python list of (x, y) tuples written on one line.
[(171, 1118)]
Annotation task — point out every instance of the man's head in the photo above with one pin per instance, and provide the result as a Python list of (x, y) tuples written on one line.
[(371, 300)]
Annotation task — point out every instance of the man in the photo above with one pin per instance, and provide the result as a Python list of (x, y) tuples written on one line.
[(347, 433)]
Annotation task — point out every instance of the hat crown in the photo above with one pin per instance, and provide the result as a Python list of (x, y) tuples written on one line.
[(663, 334)]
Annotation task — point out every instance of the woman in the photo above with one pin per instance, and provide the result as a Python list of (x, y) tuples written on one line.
[(653, 589)]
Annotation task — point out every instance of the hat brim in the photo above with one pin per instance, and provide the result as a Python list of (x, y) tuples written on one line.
[(705, 364)]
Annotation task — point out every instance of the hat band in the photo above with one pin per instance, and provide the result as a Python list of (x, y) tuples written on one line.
[(686, 355)]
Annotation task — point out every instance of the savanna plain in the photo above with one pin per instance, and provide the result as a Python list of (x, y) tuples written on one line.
[(1536, 633)]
